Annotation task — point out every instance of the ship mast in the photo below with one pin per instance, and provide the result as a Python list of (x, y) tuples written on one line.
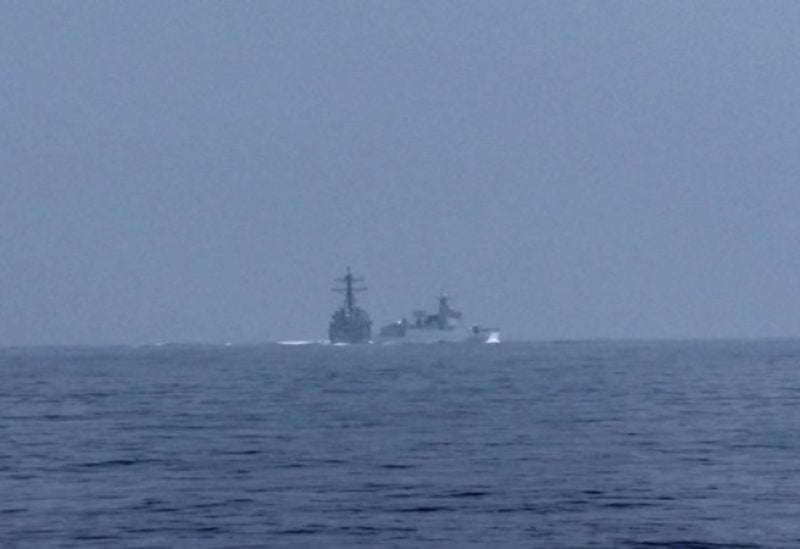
[(445, 312), (349, 290)]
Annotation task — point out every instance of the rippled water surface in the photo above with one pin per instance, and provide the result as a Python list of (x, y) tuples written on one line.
[(603, 444)]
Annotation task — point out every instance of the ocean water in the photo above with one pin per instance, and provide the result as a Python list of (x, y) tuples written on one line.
[(574, 444)]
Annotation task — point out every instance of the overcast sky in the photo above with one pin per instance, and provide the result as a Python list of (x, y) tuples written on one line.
[(201, 171)]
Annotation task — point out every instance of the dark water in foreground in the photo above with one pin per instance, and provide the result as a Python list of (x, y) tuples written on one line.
[(669, 444)]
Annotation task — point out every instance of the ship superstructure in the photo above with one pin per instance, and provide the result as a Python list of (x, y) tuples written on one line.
[(350, 323)]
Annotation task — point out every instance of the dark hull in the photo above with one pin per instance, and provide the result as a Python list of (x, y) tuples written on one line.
[(353, 327)]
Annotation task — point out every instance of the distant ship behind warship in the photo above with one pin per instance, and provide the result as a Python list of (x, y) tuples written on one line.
[(440, 327), (350, 323)]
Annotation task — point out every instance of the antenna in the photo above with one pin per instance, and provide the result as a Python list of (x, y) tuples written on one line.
[(349, 291)]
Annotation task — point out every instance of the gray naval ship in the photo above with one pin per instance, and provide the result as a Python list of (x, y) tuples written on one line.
[(350, 323), (439, 327)]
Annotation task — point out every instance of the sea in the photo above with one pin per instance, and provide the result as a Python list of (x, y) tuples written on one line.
[(639, 444)]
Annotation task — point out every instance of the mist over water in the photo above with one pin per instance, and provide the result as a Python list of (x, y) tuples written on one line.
[(200, 171), (610, 444)]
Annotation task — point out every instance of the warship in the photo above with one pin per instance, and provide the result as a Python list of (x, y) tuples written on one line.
[(350, 323), (440, 327)]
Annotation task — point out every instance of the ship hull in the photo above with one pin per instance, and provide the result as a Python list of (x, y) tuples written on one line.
[(353, 327), (421, 336)]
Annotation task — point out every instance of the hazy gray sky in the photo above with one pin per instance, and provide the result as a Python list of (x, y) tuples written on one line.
[(200, 171)]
